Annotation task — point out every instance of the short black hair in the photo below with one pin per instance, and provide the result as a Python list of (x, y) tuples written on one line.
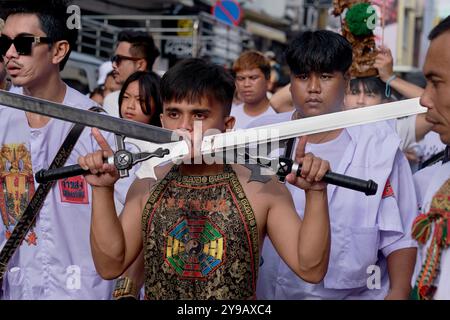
[(441, 28), (149, 92), (142, 45), (53, 18), (319, 51), (193, 79)]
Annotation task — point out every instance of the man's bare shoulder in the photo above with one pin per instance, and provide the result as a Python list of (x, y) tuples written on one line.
[(141, 188)]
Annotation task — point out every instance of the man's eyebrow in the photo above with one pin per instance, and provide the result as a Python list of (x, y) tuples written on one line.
[(431, 74), (172, 109), (201, 111)]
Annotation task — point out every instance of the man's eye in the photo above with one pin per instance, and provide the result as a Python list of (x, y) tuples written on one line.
[(302, 76), (173, 114), (199, 116), (325, 76)]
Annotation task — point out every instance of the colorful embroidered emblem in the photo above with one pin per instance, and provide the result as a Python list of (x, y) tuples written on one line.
[(388, 191), (16, 186), (74, 190), (195, 247)]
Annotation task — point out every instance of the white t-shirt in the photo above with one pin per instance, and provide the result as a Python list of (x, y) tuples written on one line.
[(111, 104), (430, 145), (243, 119), (406, 130), (365, 230), (55, 260)]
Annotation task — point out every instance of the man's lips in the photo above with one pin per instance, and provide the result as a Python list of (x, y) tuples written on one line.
[(13, 69), (313, 100)]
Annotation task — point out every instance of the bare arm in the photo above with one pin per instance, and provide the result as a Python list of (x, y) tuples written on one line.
[(303, 245), (400, 268), (385, 64), (115, 242), (281, 101)]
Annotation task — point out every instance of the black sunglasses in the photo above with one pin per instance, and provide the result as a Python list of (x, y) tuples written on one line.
[(119, 58), (23, 44)]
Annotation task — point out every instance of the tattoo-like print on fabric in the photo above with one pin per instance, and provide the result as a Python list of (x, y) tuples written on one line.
[(16, 186), (200, 239)]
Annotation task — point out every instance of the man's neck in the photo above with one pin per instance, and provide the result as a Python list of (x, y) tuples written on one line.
[(323, 137), (52, 90), (255, 109), (201, 169)]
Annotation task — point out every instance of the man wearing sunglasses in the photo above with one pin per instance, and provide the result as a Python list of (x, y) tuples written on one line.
[(135, 51), (5, 84), (54, 260)]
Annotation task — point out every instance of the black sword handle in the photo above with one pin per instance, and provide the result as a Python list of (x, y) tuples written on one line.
[(44, 176), (369, 187)]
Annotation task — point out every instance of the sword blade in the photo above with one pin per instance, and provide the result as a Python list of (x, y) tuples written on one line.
[(88, 118), (306, 126)]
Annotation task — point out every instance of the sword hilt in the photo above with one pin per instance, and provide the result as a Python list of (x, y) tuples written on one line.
[(369, 187), (123, 160)]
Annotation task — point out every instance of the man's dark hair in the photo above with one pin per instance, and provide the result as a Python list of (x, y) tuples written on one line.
[(319, 51), (142, 45), (192, 80), (441, 28), (149, 94), (53, 17)]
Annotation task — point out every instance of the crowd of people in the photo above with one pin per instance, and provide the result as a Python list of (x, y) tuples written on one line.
[(209, 231)]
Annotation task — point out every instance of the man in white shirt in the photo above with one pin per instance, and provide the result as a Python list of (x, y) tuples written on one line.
[(368, 233), (54, 260), (432, 274), (252, 70), (135, 51)]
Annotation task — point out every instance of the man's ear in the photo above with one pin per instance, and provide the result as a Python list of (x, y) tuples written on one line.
[(60, 50), (141, 65), (229, 122)]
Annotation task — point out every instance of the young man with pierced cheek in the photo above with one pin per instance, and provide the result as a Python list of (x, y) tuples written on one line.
[(202, 225)]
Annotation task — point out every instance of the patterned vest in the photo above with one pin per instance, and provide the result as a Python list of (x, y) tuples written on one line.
[(438, 217), (200, 238)]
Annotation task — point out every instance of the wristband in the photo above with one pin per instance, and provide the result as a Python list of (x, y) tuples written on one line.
[(387, 93), (125, 288)]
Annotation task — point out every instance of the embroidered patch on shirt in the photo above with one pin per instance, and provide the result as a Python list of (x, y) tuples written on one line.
[(74, 190), (388, 191)]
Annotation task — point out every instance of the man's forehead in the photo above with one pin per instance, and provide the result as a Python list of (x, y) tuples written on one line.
[(437, 61), (22, 23), (185, 105), (123, 48), (249, 72)]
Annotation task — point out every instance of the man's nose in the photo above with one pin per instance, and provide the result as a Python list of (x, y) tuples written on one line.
[(425, 99), (314, 84), (185, 124)]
